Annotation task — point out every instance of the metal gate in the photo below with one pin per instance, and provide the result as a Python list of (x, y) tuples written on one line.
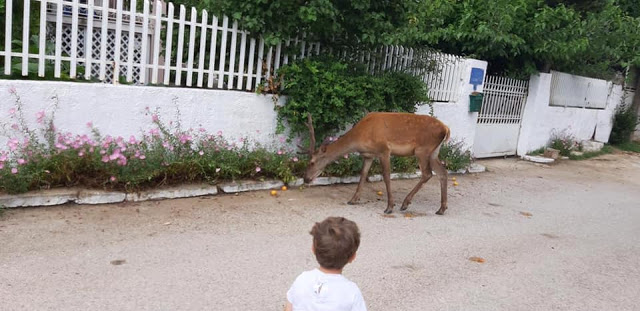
[(499, 119)]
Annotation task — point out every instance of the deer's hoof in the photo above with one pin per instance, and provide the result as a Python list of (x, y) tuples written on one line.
[(388, 211), (404, 207), (352, 202), (441, 211)]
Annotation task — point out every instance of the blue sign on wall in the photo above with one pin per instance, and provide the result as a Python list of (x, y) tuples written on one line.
[(477, 76)]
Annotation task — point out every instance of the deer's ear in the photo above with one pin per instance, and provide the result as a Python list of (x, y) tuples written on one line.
[(323, 148)]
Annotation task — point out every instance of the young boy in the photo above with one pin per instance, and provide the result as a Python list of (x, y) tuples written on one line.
[(335, 242)]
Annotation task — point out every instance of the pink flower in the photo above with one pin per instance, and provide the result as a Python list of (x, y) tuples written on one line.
[(40, 115), (279, 152), (142, 157), (241, 139), (14, 171), (14, 126), (219, 133), (295, 159), (217, 170), (258, 169), (154, 117), (3, 158), (81, 154), (103, 152), (201, 129), (132, 140), (185, 138), (21, 161), (13, 144), (201, 153), (89, 124), (346, 156), (1, 165), (12, 111), (105, 158), (113, 179), (154, 132), (282, 139)]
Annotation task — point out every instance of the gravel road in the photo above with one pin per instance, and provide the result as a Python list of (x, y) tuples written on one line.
[(561, 237)]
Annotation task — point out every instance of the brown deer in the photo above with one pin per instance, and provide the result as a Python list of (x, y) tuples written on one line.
[(381, 135)]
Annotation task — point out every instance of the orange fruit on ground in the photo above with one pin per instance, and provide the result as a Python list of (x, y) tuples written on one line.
[(284, 188), (455, 183), (380, 193), (274, 193)]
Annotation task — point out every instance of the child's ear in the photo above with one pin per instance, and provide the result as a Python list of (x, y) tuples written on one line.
[(352, 258)]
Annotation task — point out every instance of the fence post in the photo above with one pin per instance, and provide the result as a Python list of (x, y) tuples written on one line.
[(42, 38)]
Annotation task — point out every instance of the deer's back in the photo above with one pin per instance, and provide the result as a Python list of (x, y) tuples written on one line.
[(401, 128)]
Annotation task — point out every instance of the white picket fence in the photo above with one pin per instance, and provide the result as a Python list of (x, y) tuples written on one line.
[(203, 51), (577, 91)]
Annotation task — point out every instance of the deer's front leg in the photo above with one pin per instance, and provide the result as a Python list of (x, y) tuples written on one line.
[(363, 178), (385, 162)]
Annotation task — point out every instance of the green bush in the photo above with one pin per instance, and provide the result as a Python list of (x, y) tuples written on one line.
[(338, 94), (624, 123), (455, 155)]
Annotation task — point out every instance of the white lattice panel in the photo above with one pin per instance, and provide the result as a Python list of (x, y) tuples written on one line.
[(110, 50)]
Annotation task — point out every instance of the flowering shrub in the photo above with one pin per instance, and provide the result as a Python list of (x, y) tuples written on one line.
[(45, 157), (564, 142)]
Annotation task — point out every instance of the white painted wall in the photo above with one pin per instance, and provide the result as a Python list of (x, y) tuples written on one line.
[(540, 120), (456, 115), (120, 110)]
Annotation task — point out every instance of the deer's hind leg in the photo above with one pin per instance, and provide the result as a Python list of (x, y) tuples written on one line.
[(442, 173), (425, 167)]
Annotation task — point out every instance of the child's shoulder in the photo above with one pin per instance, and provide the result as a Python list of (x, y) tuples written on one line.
[(315, 276)]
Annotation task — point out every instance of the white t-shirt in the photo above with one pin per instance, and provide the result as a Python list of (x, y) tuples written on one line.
[(318, 291)]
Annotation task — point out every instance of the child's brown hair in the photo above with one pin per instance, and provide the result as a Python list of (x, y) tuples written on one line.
[(335, 240)]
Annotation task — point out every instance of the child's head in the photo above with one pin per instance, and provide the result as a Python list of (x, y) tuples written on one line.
[(335, 242)]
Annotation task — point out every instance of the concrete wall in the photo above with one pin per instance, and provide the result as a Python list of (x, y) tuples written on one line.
[(120, 110), (540, 120), (456, 115)]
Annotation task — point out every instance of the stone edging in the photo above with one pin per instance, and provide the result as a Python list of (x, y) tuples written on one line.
[(84, 196)]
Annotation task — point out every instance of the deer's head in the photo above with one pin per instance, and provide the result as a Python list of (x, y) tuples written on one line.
[(319, 158)]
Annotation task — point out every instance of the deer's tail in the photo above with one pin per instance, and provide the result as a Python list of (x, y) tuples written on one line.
[(447, 135)]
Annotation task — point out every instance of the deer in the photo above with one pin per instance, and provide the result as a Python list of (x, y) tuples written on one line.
[(381, 135)]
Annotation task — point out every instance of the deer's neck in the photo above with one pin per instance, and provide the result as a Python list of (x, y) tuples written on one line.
[(341, 146)]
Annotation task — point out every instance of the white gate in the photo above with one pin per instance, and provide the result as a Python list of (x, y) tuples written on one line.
[(499, 119)]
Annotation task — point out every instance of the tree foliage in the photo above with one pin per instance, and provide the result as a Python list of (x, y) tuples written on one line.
[(517, 37)]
